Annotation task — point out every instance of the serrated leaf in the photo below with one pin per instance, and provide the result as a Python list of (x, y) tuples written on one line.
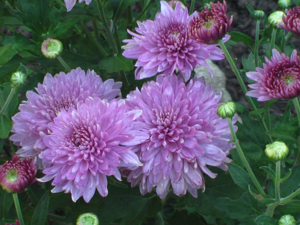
[(41, 211), (241, 37), (239, 176), (116, 64), (249, 64), (257, 112), (265, 220), (6, 53)]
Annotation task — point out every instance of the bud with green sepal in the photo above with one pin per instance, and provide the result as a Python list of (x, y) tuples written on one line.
[(287, 220), (227, 110), (277, 151), (18, 78), (275, 18), (51, 48), (283, 4), (259, 15), (87, 219)]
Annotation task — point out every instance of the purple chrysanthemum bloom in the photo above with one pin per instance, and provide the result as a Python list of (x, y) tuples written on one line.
[(291, 21), (165, 45), (56, 93), (185, 136), (71, 3), (279, 78), (89, 143), (209, 26), (16, 175)]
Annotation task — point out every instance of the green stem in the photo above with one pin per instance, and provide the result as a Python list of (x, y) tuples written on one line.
[(288, 36), (192, 7), (277, 181), (143, 12), (270, 209), (106, 26), (289, 198), (95, 29), (243, 158), (93, 39), (256, 56), (18, 208), (267, 117), (8, 100), (63, 63), (273, 38)]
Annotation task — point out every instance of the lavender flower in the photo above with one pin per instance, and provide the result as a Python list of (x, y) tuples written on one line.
[(291, 21), (185, 136), (279, 78), (165, 45), (88, 144), (71, 3), (56, 93), (209, 26), (16, 175)]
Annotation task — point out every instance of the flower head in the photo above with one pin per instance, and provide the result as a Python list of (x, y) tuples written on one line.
[(16, 175), (71, 3), (51, 48), (277, 150), (53, 95), (87, 219), (209, 26), (227, 110), (18, 78), (284, 4), (89, 143), (279, 78), (185, 136), (291, 21), (275, 18), (165, 45), (287, 220)]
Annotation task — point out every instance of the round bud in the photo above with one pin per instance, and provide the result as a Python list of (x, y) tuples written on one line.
[(227, 110), (18, 78), (283, 4), (259, 15), (276, 18), (87, 219), (287, 220), (51, 48), (277, 151)]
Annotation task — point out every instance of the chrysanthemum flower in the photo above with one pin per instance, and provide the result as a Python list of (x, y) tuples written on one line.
[(165, 45), (88, 144), (279, 78), (56, 93), (185, 136), (71, 3), (209, 26), (16, 175), (291, 21)]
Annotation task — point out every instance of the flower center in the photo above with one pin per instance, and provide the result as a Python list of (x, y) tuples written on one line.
[(289, 79), (12, 176)]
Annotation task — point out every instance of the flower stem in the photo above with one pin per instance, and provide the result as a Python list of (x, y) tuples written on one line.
[(277, 181), (63, 63), (18, 208), (8, 100), (192, 7), (243, 158), (267, 116), (273, 38), (256, 43), (289, 198), (270, 209)]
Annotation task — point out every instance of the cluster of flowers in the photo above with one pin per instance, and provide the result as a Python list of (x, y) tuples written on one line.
[(166, 134)]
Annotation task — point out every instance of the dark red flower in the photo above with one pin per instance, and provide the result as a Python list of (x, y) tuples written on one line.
[(291, 21)]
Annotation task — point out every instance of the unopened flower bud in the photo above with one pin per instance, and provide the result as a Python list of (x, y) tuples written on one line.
[(283, 4), (276, 18), (18, 78), (277, 151), (287, 220), (259, 15), (16, 175), (51, 48), (87, 219), (227, 110)]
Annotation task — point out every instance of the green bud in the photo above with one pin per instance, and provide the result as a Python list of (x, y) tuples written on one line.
[(87, 219), (18, 78), (259, 15), (283, 4), (287, 220), (51, 48), (227, 110), (276, 18), (277, 151)]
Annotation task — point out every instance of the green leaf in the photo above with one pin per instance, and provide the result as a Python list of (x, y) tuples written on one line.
[(292, 207), (239, 176), (123, 4), (269, 171), (282, 135), (6, 53), (2, 141), (5, 126), (250, 9), (289, 173), (265, 220), (41, 211), (249, 64), (291, 183), (297, 2), (115, 64), (237, 209), (241, 37), (257, 112)]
